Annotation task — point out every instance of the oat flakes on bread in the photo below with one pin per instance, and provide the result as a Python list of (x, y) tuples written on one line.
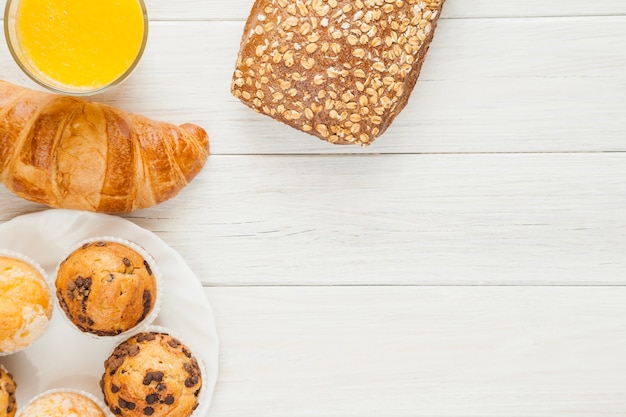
[(340, 70)]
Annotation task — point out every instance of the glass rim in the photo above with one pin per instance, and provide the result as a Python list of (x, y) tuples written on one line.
[(13, 45)]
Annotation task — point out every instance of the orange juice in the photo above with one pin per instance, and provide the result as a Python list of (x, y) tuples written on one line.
[(81, 44)]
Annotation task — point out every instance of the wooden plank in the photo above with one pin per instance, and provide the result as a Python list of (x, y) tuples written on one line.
[(517, 85), (239, 9), (392, 219), (532, 8), (396, 219), (420, 351)]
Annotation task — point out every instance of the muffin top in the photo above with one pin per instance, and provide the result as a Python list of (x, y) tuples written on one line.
[(151, 374), (62, 404), (106, 288), (25, 304), (8, 405)]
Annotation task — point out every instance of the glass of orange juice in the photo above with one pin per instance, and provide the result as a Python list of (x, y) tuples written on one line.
[(76, 47)]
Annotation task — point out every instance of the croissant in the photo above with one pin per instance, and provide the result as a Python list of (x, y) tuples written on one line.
[(67, 152)]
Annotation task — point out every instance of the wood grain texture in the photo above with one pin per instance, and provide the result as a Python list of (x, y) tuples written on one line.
[(469, 264), (421, 351), (502, 219), (488, 85), (411, 220), (456, 9)]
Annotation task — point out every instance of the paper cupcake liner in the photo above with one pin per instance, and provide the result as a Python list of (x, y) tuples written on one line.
[(7, 253), (195, 351), (6, 371), (24, 258), (97, 401), (155, 272), (204, 391)]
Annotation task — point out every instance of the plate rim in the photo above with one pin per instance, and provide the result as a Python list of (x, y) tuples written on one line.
[(90, 221)]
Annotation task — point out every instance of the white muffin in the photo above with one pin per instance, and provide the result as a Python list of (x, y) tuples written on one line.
[(25, 303), (63, 403)]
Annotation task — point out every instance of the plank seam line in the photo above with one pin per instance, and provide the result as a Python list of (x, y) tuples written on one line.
[(469, 285)]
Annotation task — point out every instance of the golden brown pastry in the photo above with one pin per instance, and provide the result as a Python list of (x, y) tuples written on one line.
[(25, 304), (67, 152), (8, 403), (106, 288), (63, 403), (340, 70), (151, 374)]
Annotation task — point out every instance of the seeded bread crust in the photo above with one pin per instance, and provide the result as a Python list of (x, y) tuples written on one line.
[(105, 288), (151, 374), (8, 404), (340, 70)]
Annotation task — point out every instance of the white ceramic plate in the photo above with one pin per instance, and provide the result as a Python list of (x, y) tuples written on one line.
[(66, 358)]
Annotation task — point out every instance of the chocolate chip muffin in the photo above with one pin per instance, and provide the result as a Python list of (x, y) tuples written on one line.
[(151, 374), (8, 404), (25, 303), (106, 287), (63, 403)]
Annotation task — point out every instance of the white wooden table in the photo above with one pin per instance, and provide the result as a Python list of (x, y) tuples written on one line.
[(471, 262)]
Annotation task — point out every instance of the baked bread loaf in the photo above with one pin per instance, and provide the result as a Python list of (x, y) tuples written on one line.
[(25, 304), (106, 288), (151, 374), (340, 70), (8, 403), (63, 403), (66, 152)]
